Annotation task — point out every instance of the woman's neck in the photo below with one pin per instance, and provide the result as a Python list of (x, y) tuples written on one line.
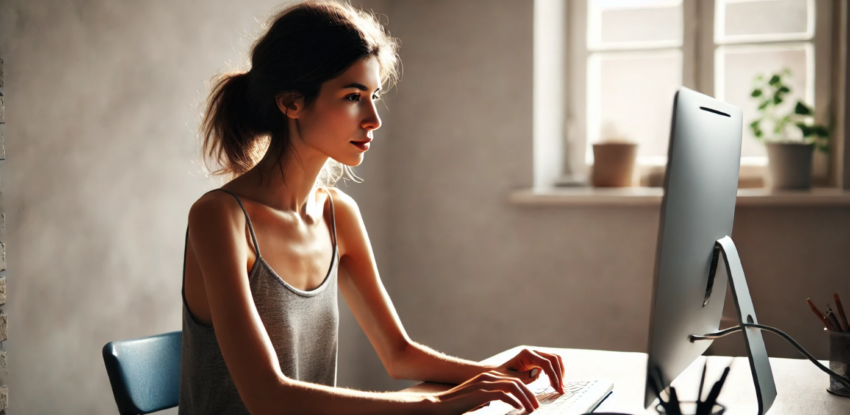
[(287, 182)]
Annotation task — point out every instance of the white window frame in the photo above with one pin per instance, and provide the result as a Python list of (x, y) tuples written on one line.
[(700, 51)]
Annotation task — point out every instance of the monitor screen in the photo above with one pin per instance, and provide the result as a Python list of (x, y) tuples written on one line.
[(698, 208)]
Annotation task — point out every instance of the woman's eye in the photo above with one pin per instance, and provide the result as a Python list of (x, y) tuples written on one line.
[(356, 97)]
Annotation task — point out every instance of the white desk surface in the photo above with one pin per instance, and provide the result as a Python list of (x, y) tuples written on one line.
[(800, 385)]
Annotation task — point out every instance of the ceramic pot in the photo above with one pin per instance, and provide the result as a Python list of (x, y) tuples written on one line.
[(789, 166), (613, 164)]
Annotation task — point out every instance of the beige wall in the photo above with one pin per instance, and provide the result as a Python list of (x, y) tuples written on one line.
[(101, 111), (472, 275)]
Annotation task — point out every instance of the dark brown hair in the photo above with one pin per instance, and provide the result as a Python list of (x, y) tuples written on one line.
[(305, 45)]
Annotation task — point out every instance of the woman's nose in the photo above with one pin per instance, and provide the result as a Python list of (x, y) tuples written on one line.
[(373, 120)]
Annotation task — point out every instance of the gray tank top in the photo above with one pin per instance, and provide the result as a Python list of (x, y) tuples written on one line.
[(303, 327)]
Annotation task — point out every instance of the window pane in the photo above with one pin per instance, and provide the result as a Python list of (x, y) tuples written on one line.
[(736, 68), (635, 23), (630, 96), (765, 19)]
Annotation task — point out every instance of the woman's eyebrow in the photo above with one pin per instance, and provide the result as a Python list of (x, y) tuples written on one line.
[(359, 86)]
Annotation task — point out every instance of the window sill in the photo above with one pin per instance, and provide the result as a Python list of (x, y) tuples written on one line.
[(651, 196)]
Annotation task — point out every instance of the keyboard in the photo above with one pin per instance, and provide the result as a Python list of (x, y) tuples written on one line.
[(580, 397)]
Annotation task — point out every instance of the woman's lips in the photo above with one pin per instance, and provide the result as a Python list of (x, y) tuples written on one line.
[(362, 145)]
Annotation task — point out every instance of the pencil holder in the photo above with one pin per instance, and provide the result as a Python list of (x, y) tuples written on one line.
[(690, 408), (839, 358)]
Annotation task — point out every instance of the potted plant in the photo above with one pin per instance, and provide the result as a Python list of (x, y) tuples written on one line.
[(613, 159), (789, 154)]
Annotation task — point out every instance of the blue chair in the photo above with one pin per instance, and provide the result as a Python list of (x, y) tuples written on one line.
[(144, 373)]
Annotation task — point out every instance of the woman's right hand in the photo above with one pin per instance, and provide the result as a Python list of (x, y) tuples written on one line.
[(483, 388)]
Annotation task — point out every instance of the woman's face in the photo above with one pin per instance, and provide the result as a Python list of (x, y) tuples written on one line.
[(341, 120)]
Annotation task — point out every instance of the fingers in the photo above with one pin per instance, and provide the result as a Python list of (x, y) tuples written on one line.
[(558, 363), (525, 377), (528, 401), (563, 366), (497, 395), (516, 386), (549, 363), (517, 393), (533, 374)]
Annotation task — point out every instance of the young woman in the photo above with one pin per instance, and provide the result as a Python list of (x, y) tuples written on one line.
[(267, 252)]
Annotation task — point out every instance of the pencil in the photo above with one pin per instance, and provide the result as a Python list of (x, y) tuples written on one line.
[(840, 309), (820, 315), (702, 381), (830, 316)]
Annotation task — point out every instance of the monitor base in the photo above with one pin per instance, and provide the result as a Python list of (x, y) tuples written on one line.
[(759, 363)]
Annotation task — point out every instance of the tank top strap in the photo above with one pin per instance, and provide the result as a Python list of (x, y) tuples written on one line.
[(247, 219), (333, 215)]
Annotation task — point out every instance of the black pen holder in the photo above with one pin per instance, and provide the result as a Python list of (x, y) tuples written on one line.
[(690, 408), (839, 359)]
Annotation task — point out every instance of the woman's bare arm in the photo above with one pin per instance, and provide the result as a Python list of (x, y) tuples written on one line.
[(405, 359), (371, 306), (216, 233)]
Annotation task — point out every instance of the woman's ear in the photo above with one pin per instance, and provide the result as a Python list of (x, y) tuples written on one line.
[(290, 104)]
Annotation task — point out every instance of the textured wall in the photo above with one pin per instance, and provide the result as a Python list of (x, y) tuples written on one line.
[(472, 275), (104, 120), (4, 318), (105, 117), (103, 173)]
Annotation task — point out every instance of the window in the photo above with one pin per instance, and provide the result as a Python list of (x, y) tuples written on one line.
[(626, 58)]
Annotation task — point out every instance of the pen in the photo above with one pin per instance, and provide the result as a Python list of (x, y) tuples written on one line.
[(674, 403), (820, 315), (721, 382), (840, 309), (830, 316), (712, 396), (651, 380), (658, 394), (699, 409), (702, 382)]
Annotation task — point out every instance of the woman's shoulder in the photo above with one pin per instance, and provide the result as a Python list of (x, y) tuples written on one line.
[(339, 197), (344, 205), (215, 207)]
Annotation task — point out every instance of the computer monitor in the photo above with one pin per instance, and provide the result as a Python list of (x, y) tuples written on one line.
[(691, 267)]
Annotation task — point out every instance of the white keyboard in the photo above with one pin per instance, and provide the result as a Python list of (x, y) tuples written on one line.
[(579, 397)]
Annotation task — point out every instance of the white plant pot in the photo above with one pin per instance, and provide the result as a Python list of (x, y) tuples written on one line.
[(789, 165)]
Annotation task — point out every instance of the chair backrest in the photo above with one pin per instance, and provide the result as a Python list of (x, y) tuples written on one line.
[(144, 373)]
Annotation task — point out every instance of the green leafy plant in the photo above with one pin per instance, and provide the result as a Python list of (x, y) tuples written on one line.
[(771, 125)]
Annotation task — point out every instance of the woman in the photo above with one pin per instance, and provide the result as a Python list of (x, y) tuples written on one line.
[(260, 315)]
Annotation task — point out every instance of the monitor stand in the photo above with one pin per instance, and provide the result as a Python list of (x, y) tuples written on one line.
[(759, 363)]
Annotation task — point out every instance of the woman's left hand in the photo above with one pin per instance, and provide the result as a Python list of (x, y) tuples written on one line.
[(528, 363)]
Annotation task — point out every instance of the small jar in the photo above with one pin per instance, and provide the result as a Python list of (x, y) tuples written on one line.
[(839, 358)]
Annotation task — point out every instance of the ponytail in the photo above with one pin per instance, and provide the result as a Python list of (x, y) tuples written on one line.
[(233, 136)]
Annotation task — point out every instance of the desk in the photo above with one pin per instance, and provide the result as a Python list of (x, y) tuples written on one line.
[(800, 385)]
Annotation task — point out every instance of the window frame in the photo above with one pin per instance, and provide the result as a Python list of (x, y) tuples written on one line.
[(699, 50)]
